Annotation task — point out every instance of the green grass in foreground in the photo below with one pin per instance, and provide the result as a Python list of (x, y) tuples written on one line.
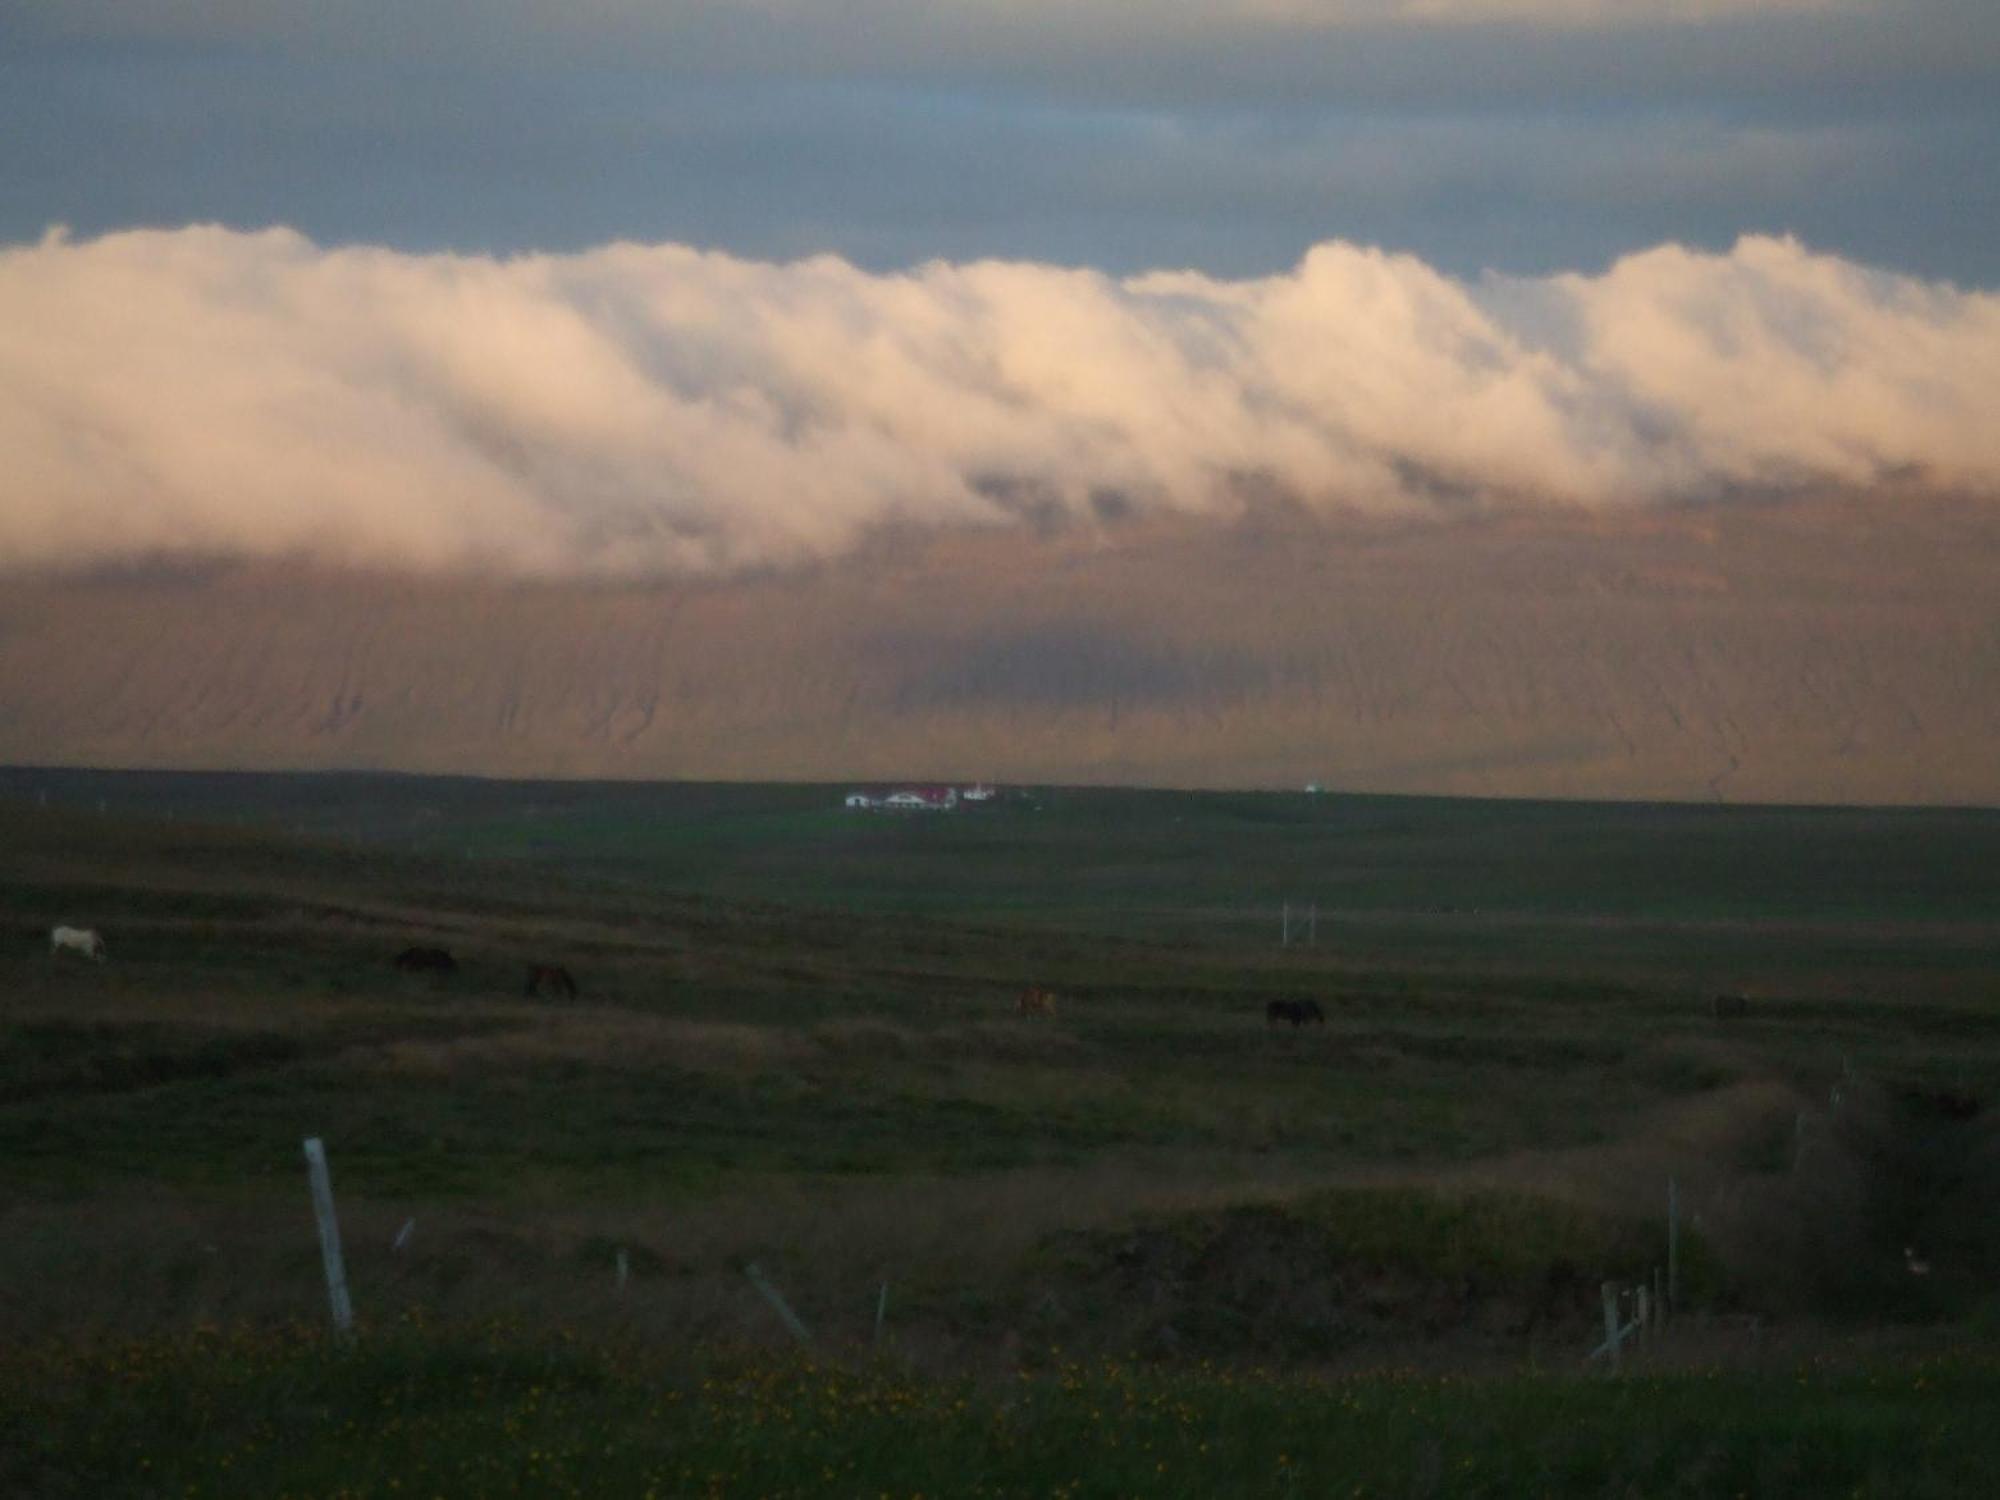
[(413, 1413)]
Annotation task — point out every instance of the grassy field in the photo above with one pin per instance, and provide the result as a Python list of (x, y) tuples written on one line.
[(490, 1414), (797, 1046)]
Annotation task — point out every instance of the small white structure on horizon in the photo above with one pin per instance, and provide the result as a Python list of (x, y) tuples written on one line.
[(907, 799), (922, 799)]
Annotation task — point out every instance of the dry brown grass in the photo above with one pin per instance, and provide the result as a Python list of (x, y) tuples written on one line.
[(155, 1259), (596, 1038)]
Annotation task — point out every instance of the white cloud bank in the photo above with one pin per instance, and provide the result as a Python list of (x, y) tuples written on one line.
[(639, 409)]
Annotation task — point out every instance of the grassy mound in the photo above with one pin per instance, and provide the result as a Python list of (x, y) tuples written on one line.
[(1351, 1269)]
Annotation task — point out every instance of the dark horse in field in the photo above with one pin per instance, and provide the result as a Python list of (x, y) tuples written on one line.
[(551, 977), (426, 961), (1298, 1012)]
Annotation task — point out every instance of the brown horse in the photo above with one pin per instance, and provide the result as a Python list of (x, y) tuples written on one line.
[(552, 977), (1298, 1012), (426, 961), (1036, 1001)]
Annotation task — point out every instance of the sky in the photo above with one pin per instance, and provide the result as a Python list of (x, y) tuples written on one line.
[(1230, 136), (624, 287)]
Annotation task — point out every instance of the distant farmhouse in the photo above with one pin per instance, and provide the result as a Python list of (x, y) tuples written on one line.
[(920, 798)]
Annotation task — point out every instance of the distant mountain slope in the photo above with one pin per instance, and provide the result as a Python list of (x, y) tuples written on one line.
[(1822, 652)]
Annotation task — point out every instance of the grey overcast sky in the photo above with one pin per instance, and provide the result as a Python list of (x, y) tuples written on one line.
[(1526, 136)]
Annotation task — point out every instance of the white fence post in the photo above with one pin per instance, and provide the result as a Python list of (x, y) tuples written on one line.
[(1673, 1246), (624, 1269), (778, 1304), (329, 1238), (1611, 1330), (881, 1310)]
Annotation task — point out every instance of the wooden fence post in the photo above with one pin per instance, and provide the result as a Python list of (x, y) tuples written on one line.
[(329, 1238)]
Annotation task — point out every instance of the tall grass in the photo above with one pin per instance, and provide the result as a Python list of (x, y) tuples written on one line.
[(494, 1414)]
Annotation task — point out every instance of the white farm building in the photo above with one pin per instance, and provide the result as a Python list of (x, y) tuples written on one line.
[(918, 799)]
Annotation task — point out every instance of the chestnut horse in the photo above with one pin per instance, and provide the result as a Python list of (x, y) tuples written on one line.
[(1036, 1001)]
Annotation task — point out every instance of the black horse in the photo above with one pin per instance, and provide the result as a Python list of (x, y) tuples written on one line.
[(1298, 1012), (426, 961), (551, 977)]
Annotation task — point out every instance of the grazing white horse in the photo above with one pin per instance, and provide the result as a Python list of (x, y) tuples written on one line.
[(77, 940)]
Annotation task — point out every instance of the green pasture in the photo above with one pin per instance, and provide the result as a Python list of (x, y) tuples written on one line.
[(797, 1045), (1154, 862), (270, 1415)]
